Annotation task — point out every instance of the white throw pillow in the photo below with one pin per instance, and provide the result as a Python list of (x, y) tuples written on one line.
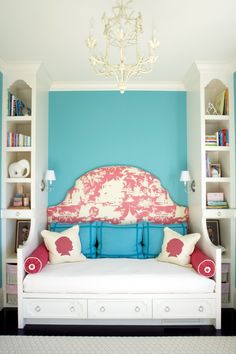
[(177, 248), (63, 246)]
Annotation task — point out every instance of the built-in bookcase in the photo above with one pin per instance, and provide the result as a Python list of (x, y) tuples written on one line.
[(211, 159), (24, 129)]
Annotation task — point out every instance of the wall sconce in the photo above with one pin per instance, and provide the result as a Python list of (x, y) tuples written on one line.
[(185, 178), (50, 177)]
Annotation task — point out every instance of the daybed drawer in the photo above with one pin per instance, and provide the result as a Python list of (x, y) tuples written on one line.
[(186, 308), (115, 309), (51, 308)]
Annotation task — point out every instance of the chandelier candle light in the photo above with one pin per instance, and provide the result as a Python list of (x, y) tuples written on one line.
[(121, 32)]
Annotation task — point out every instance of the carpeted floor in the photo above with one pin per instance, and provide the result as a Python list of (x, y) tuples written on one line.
[(117, 345)]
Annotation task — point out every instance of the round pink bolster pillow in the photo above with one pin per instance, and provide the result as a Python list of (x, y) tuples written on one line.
[(37, 260), (202, 263)]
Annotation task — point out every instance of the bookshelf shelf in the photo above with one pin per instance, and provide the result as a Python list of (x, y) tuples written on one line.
[(19, 119), (18, 149), (18, 180), (217, 213), (226, 259), (12, 258), (217, 179), (216, 118), (217, 148)]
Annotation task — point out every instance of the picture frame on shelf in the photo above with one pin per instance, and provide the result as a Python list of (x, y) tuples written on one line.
[(22, 232), (213, 228), (215, 170)]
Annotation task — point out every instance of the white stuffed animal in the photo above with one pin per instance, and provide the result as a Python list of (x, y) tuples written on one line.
[(19, 169)]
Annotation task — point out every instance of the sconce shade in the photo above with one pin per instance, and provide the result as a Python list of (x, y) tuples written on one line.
[(50, 176), (185, 176)]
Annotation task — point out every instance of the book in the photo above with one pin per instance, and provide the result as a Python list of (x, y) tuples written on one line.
[(216, 197), (16, 107), (212, 202), (217, 206), (226, 102)]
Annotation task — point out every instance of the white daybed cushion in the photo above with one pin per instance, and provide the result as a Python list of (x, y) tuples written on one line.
[(112, 275)]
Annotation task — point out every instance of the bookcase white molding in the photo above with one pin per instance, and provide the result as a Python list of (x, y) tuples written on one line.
[(25, 85), (205, 82), (108, 86)]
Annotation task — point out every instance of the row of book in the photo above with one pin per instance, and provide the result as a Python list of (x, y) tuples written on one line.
[(18, 140), (16, 107), (219, 138), (216, 201), (217, 204)]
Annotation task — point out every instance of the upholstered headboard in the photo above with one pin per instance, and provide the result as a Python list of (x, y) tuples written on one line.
[(118, 194)]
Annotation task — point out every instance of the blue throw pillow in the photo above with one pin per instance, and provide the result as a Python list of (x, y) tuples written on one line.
[(153, 235), (120, 241), (87, 235)]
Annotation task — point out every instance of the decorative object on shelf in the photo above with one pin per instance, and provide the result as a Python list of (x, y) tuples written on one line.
[(17, 202), (213, 228), (26, 201), (21, 199), (22, 232), (50, 177), (222, 102), (211, 109), (121, 32), (19, 169), (215, 170)]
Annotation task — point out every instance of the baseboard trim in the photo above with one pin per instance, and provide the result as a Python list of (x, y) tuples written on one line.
[(1, 299)]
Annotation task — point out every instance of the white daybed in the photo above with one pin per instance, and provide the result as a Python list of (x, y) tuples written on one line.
[(118, 291)]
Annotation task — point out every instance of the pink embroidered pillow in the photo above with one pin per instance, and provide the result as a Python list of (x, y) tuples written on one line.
[(37, 260), (177, 248), (202, 263), (63, 246)]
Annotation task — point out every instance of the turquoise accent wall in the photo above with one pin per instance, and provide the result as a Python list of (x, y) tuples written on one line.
[(1, 78), (91, 129)]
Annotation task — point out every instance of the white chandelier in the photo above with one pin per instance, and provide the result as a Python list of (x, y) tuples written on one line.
[(121, 32)]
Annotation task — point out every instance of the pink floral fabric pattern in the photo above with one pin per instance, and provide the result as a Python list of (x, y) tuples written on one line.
[(119, 195)]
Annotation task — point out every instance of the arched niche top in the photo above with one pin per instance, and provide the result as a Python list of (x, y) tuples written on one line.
[(212, 90), (22, 91)]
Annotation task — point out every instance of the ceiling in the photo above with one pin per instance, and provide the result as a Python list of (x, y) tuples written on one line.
[(54, 32)]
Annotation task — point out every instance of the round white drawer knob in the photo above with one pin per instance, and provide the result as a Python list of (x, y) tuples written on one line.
[(201, 309), (37, 308), (72, 309), (137, 309), (102, 309), (167, 309), (219, 213), (17, 213)]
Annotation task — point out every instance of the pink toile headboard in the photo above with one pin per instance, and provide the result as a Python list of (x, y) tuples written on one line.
[(119, 195)]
